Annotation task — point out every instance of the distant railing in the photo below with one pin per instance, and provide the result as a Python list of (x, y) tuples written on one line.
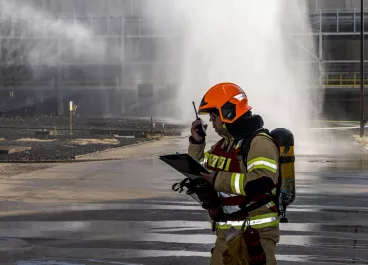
[(342, 80), (335, 80), (101, 26), (342, 21), (74, 84)]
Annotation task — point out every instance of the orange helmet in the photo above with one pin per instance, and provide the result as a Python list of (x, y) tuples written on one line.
[(228, 99)]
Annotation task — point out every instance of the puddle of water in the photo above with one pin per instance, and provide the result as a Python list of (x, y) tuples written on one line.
[(295, 258), (314, 227), (137, 253), (320, 161), (324, 242), (50, 262), (115, 230), (112, 262), (324, 259), (54, 262), (121, 206)]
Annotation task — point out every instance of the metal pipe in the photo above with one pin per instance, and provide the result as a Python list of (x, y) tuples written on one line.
[(340, 80), (320, 55), (337, 20), (361, 68)]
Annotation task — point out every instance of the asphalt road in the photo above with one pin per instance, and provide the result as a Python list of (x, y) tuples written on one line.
[(124, 212)]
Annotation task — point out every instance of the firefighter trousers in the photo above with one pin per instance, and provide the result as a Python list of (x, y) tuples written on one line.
[(269, 247)]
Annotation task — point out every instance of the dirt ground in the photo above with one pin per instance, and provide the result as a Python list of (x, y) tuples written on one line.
[(9, 170)]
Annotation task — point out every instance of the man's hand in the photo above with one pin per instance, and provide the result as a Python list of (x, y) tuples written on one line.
[(209, 177)]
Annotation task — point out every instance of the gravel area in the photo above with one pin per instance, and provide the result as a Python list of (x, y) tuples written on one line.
[(90, 135), (63, 149)]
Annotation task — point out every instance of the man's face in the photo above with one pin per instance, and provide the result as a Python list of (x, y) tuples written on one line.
[(216, 121)]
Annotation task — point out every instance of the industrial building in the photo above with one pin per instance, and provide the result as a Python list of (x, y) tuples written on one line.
[(49, 57), (336, 27), (118, 70)]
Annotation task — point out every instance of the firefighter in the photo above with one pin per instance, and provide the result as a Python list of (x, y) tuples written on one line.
[(244, 169)]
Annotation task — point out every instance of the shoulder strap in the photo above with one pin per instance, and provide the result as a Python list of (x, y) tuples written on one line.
[(274, 197), (245, 208), (245, 145)]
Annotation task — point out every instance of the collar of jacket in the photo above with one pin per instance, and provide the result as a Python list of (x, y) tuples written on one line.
[(228, 139), (244, 127)]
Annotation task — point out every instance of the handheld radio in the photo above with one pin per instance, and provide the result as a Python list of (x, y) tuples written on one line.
[(200, 128)]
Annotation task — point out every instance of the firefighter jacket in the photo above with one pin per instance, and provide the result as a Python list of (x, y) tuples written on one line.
[(235, 178)]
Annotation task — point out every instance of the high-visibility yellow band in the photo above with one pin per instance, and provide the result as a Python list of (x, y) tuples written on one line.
[(237, 183), (259, 221), (262, 163)]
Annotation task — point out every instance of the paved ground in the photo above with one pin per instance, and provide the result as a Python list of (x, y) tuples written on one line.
[(124, 212)]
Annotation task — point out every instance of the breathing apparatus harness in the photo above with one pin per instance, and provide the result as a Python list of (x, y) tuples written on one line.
[(213, 203)]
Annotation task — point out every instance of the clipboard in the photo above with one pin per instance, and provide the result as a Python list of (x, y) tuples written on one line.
[(185, 164)]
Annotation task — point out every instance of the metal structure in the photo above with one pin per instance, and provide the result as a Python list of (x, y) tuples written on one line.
[(96, 53), (66, 68), (342, 76), (121, 35), (362, 123), (341, 68)]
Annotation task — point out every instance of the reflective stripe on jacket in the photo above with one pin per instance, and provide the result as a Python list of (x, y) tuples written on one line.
[(262, 160)]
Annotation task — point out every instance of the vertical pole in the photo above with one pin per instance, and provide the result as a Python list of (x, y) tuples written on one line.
[(151, 127), (60, 111), (321, 72), (71, 118), (337, 20), (340, 80), (320, 52), (122, 57), (361, 68)]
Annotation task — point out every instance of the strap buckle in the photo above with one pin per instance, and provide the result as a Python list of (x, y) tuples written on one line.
[(179, 186), (245, 223)]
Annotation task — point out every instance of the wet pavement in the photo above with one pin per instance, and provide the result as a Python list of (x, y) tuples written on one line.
[(124, 212)]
